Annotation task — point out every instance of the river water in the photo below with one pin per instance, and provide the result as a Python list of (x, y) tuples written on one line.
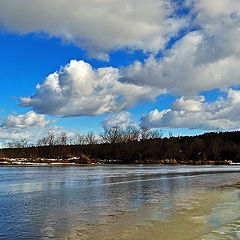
[(120, 202)]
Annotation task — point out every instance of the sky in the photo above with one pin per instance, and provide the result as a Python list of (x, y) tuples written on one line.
[(82, 65)]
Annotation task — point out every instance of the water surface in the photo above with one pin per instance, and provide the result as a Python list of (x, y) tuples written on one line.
[(120, 202)]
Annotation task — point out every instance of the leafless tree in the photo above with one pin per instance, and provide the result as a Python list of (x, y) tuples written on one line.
[(147, 133), (79, 139), (112, 135), (49, 140), (156, 133), (18, 143), (144, 133), (130, 133), (84, 139), (62, 139), (90, 138)]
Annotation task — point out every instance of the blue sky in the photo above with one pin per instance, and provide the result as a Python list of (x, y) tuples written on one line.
[(172, 65)]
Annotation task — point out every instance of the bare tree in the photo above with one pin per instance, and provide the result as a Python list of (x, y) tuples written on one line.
[(83, 139), (18, 143), (90, 138), (62, 139), (48, 140), (144, 133), (147, 133), (79, 139), (130, 133), (156, 133), (112, 135)]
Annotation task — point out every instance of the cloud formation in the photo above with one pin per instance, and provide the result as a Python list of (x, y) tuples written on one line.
[(204, 59), (187, 68), (25, 126), (121, 119), (28, 120), (79, 90), (96, 26), (196, 113), (28, 134)]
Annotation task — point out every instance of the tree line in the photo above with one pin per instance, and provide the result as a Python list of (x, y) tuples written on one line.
[(134, 145), (115, 134)]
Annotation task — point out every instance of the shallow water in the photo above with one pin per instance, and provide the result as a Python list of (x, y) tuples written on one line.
[(120, 202)]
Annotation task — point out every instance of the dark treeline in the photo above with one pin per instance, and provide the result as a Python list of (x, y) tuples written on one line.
[(203, 149)]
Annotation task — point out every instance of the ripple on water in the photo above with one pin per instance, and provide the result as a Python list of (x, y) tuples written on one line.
[(229, 231), (119, 202)]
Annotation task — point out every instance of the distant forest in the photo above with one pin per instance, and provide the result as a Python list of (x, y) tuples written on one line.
[(134, 146)]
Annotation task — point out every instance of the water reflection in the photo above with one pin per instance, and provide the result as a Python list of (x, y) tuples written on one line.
[(55, 202)]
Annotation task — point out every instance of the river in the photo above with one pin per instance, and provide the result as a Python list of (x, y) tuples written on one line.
[(149, 202)]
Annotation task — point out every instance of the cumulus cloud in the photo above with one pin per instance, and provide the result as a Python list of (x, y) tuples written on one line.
[(204, 59), (97, 26), (30, 126), (187, 68), (220, 23), (28, 120), (121, 119), (30, 134), (196, 113), (9, 134), (79, 90)]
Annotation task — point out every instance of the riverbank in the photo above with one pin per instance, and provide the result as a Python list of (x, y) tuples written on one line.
[(85, 160), (206, 149), (43, 162)]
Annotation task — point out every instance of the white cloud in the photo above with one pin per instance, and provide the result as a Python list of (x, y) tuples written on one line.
[(204, 59), (121, 119), (190, 66), (197, 114), (220, 22), (30, 126), (32, 135), (10, 134), (79, 90), (28, 120), (213, 9), (97, 26)]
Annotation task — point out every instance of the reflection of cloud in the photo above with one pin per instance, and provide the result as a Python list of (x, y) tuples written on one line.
[(25, 187)]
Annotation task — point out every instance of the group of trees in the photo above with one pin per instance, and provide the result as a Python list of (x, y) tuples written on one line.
[(131, 145), (114, 134), (19, 143), (130, 133)]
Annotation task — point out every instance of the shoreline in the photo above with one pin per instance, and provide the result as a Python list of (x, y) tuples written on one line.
[(76, 161)]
